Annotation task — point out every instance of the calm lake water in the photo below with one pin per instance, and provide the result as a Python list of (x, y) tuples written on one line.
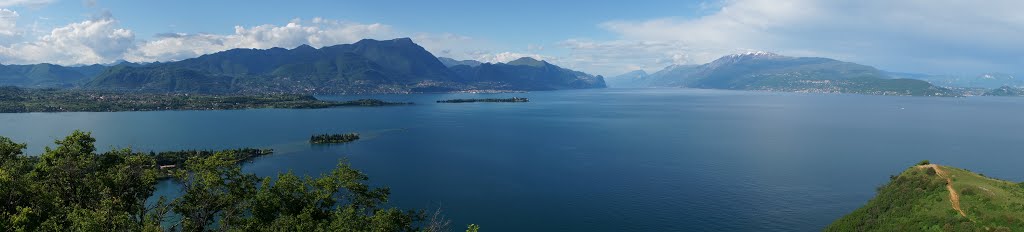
[(599, 160)]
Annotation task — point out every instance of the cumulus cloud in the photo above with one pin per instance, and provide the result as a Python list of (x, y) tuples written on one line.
[(620, 56), (917, 35), (102, 40), (317, 32), (461, 47), (503, 57), (31, 3), (99, 40), (8, 23)]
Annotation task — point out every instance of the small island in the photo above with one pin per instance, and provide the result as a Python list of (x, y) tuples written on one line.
[(514, 99), (333, 138)]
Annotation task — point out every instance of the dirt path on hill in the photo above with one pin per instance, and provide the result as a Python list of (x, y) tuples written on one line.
[(953, 196)]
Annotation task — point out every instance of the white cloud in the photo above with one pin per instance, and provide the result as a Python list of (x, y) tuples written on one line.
[(317, 32), (447, 44), (8, 23), (916, 35), (461, 47), (620, 56), (30, 3), (92, 41), (503, 57)]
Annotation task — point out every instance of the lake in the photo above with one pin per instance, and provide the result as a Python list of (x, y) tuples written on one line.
[(598, 160)]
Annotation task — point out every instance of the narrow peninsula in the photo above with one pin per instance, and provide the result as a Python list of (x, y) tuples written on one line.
[(514, 99), (23, 100), (168, 161)]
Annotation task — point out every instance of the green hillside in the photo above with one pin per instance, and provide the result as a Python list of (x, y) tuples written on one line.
[(46, 75), (939, 198)]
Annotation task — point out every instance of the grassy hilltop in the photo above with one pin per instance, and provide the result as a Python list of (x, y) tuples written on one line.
[(929, 197)]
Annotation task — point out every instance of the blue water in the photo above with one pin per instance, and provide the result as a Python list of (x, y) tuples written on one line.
[(600, 160)]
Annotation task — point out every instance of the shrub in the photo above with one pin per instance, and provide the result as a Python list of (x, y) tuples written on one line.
[(924, 162)]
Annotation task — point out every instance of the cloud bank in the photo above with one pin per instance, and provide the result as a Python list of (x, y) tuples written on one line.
[(103, 40), (317, 32), (915, 35)]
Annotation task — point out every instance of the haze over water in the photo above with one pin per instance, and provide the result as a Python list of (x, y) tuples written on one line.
[(599, 160)]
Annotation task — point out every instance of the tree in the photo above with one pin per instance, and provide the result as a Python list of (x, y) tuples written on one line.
[(337, 201), (71, 187)]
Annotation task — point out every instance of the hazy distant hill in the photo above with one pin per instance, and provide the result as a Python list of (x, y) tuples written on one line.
[(452, 62), (985, 80), (397, 65), (46, 75), (768, 71), (630, 79), (1006, 91), (529, 74)]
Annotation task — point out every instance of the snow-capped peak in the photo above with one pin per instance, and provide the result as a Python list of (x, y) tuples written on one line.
[(755, 53), (750, 55)]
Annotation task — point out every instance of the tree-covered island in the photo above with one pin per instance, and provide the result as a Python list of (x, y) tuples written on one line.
[(333, 138), (514, 99)]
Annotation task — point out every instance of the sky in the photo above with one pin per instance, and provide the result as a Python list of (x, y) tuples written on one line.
[(954, 37)]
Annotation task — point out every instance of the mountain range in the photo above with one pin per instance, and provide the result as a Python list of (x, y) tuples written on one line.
[(402, 66), (367, 66), (773, 72)]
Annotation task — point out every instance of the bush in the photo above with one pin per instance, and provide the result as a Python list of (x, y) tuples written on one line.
[(924, 162), (968, 191)]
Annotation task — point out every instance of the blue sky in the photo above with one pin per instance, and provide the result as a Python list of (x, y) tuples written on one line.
[(941, 37)]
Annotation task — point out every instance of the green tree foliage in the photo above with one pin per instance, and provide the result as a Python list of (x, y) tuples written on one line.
[(473, 228), (71, 187)]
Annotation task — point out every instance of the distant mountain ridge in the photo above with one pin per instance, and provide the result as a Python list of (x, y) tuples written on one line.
[(773, 72), (47, 75), (452, 62), (367, 66), (528, 73), (630, 79)]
